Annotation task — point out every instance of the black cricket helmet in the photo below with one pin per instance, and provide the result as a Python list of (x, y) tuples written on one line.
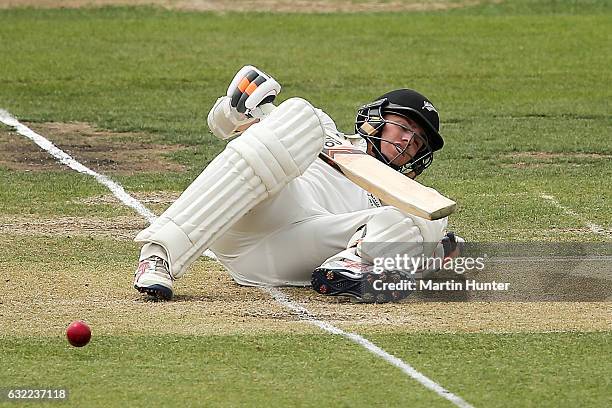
[(407, 103)]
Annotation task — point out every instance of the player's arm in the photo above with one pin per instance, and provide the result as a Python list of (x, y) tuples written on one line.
[(251, 93), (248, 98)]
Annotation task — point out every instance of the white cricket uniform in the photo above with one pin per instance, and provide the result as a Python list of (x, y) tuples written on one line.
[(269, 212), (284, 238)]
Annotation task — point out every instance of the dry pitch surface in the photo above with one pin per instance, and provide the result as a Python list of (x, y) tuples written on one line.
[(207, 301)]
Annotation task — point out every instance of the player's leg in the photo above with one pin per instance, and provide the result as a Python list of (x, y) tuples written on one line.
[(288, 256), (251, 168), (380, 253)]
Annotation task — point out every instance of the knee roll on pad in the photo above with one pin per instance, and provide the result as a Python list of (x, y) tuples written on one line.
[(283, 145)]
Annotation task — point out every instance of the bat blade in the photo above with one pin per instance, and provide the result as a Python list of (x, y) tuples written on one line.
[(390, 186)]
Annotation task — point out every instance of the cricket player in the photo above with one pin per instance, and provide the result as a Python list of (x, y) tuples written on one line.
[(275, 214)]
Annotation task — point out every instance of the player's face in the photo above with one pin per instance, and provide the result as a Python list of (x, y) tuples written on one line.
[(402, 138)]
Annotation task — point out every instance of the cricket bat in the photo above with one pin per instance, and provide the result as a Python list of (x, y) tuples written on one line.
[(388, 185)]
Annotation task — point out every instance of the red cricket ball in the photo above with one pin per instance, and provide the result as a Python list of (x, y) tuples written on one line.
[(78, 333)]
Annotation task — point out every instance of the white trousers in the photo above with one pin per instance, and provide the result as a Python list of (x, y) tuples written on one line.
[(284, 238)]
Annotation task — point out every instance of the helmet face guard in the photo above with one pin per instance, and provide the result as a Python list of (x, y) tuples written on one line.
[(369, 125)]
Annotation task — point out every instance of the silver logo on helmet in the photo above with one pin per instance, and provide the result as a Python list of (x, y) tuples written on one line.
[(429, 106)]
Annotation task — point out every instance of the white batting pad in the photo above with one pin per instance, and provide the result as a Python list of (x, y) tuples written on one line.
[(250, 169)]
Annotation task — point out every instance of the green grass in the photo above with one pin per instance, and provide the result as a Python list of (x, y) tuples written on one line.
[(487, 370), (59, 192), (54, 250), (528, 7), (505, 82), (523, 76), (144, 69), (513, 370), (205, 371), (47, 193)]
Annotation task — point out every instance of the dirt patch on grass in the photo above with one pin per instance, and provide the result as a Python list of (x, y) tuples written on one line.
[(552, 156), (149, 197), (100, 150), (42, 295), (283, 6), (156, 201), (459, 317), (524, 160), (480, 312), (41, 298), (537, 165), (118, 227)]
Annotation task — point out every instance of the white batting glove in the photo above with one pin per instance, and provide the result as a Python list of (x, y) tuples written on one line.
[(226, 122), (251, 88)]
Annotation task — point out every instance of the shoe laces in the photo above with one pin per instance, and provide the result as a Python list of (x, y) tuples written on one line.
[(161, 265)]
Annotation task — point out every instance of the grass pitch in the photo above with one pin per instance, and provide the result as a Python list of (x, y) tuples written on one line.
[(522, 92), (315, 369)]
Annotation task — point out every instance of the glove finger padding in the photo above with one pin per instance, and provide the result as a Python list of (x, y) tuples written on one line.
[(226, 122), (251, 88)]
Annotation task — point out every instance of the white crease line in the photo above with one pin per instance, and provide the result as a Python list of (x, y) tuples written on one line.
[(596, 229), (279, 296), (66, 159), (305, 315)]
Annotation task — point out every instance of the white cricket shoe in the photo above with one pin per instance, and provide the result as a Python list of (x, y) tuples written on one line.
[(153, 278)]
